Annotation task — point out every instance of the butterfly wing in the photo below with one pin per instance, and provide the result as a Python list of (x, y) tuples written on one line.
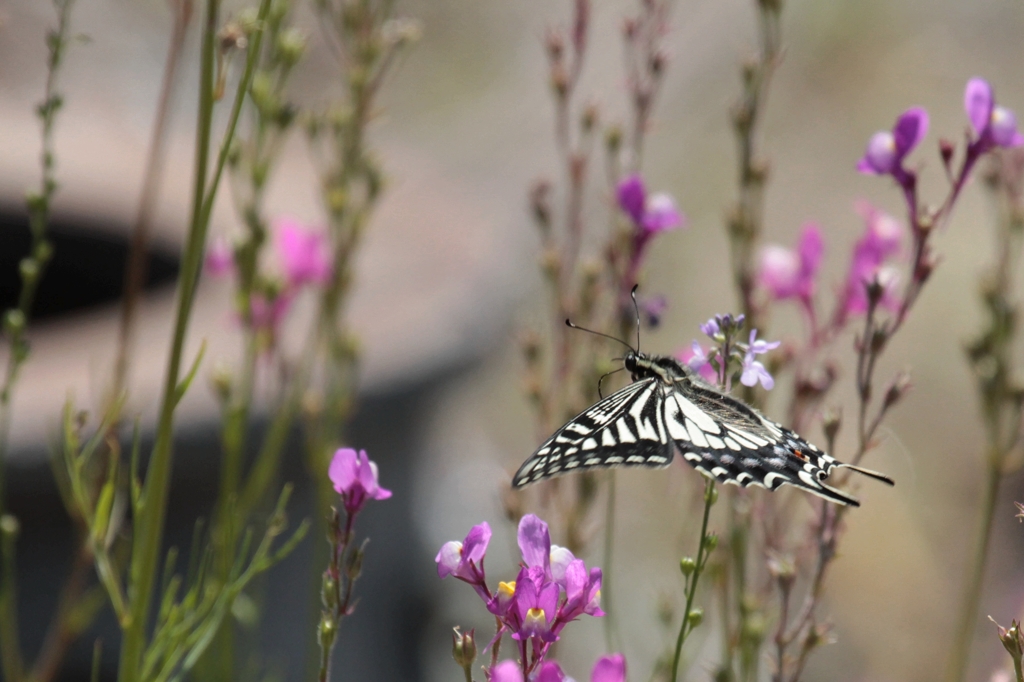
[(625, 429), (724, 438)]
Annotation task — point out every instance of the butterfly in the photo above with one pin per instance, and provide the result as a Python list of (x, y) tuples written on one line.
[(669, 406)]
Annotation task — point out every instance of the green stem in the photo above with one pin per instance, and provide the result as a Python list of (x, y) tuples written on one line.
[(606, 579), (149, 527), (691, 582), (972, 591), (1017, 669)]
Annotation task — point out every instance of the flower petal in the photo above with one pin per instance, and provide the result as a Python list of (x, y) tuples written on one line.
[(344, 469), (609, 669), (475, 544), (535, 542), (448, 558), (550, 672), (978, 103), (632, 197), (910, 129), (506, 671)]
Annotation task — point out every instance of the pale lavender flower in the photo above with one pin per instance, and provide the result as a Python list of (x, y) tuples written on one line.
[(711, 328), (535, 543), (696, 358), (560, 560), (536, 603), (465, 559), (753, 370)]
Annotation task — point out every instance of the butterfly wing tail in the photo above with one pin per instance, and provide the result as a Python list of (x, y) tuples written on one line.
[(868, 472)]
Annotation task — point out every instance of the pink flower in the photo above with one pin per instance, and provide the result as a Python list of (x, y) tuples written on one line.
[(887, 149), (550, 672), (355, 479), (506, 671), (881, 242), (535, 543), (305, 254), (536, 603), (609, 669), (696, 358), (792, 274), (995, 126), (220, 259)]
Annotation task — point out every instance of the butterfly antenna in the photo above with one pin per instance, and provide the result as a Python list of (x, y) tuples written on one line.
[(601, 380), (636, 307), (591, 331)]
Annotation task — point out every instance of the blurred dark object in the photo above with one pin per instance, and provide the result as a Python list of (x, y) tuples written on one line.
[(88, 263)]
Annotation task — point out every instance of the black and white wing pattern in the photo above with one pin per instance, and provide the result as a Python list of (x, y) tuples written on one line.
[(669, 407), (728, 440), (625, 429)]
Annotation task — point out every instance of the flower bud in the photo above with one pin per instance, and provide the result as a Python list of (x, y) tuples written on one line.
[(1012, 639), (687, 565), (291, 46), (14, 322), (464, 648), (897, 389), (354, 563), (946, 149), (232, 37), (832, 420), (589, 118), (9, 527), (710, 542), (613, 138), (695, 617), (711, 495), (29, 268)]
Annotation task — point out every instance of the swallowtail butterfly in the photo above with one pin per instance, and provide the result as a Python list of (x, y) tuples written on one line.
[(670, 406)]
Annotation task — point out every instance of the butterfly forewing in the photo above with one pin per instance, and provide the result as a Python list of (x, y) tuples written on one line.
[(625, 429)]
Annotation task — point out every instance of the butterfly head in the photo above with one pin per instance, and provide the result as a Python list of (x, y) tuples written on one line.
[(637, 364)]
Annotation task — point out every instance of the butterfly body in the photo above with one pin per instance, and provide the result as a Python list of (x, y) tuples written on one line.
[(668, 407)]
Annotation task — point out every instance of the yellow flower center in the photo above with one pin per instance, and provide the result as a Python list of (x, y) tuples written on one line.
[(507, 589)]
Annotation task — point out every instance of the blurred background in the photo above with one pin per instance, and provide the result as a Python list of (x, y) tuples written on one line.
[(448, 281)]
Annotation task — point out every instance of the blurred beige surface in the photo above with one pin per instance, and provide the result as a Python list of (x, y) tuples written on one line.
[(466, 128)]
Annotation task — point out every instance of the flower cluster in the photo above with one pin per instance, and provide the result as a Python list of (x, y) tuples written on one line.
[(552, 589), (786, 274), (305, 261), (722, 329)]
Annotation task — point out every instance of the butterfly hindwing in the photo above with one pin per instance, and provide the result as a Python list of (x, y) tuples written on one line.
[(726, 439), (625, 429)]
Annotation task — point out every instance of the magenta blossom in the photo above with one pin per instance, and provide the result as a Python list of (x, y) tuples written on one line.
[(536, 603), (792, 274), (753, 370), (994, 126), (220, 259), (609, 669), (650, 214), (887, 149), (506, 671), (881, 243), (355, 479), (606, 669), (305, 254), (465, 560), (266, 314), (696, 358)]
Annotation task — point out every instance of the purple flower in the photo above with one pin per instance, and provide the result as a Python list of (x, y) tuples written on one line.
[(536, 604), (609, 669), (995, 126), (882, 241), (711, 328), (465, 559), (753, 370), (650, 214), (887, 149), (220, 259), (582, 593), (355, 478), (696, 358), (792, 274), (305, 254), (506, 671)]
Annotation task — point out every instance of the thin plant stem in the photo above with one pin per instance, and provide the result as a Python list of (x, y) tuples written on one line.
[(610, 632), (149, 526), (691, 581), (975, 578)]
